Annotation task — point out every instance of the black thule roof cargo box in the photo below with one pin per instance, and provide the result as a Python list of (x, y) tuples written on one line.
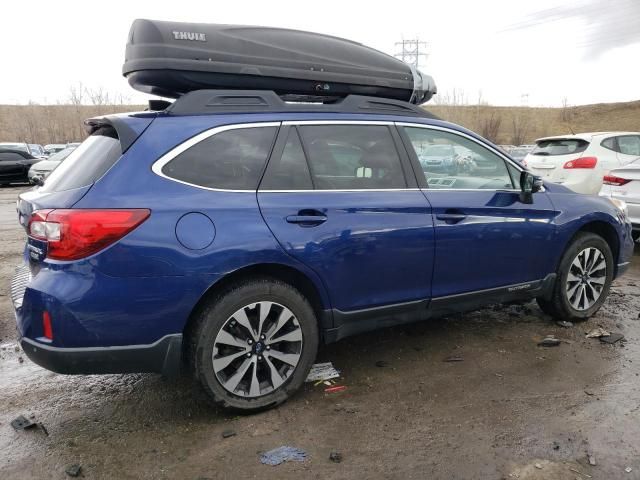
[(172, 58)]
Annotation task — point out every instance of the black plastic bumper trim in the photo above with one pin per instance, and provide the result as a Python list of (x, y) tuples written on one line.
[(162, 356)]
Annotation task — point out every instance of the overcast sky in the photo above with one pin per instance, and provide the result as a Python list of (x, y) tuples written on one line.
[(585, 50)]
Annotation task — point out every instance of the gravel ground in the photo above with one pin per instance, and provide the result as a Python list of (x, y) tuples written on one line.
[(507, 409)]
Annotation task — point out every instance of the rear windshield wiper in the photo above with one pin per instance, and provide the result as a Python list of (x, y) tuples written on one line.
[(540, 153)]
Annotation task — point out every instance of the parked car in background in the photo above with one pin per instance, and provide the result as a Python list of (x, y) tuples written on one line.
[(36, 150), (15, 165), (623, 183), (52, 148), (519, 153), (580, 161), (41, 170), (15, 146), (441, 158), (505, 148)]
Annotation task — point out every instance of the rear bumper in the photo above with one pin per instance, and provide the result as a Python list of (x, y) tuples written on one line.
[(163, 356)]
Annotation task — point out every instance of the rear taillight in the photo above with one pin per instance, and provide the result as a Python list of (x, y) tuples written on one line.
[(613, 180), (75, 234), (582, 162)]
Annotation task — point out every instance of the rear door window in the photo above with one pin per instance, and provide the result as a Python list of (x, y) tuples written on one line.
[(229, 160), (560, 146), (87, 163), (352, 157), (290, 171)]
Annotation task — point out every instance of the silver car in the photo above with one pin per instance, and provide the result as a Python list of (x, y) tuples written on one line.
[(623, 183), (41, 170)]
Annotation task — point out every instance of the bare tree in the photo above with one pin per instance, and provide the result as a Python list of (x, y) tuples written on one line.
[(490, 126), (566, 113), (76, 94), (520, 129), (98, 96)]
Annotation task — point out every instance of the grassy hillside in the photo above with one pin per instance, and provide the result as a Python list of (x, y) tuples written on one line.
[(518, 125), (506, 125), (51, 123)]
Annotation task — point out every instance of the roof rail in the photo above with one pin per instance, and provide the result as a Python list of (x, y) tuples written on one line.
[(199, 102)]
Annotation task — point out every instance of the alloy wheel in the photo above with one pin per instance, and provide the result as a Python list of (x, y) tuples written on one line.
[(586, 278), (257, 349)]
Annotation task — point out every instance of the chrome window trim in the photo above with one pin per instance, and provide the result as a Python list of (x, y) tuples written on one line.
[(352, 190), (469, 137), (175, 151), (338, 122)]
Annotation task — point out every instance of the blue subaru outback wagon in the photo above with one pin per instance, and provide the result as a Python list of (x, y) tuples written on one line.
[(234, 232)]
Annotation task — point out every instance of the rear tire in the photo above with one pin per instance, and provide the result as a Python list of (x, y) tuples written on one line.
[(583, 279), (253, 345)]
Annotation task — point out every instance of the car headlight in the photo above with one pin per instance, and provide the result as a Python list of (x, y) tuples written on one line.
[(620, 204)]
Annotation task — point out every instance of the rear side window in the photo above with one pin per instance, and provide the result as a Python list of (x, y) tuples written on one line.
[(561, 146), (229, 160), (352, 157), (87, 163)]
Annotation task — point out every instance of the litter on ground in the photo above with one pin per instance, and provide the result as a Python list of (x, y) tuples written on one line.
[(22, 423), (283, 454), (322, 371), (454, 358), (612, 338), (336, 389), (549, 342), (597, 333)]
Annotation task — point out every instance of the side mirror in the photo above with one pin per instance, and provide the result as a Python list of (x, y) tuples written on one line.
[(529, 184)]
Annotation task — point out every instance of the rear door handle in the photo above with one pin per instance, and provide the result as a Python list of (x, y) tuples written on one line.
[(307, 220), (451, 218)]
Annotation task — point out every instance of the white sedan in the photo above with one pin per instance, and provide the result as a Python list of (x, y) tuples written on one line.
[(580, 161), (623, 183)]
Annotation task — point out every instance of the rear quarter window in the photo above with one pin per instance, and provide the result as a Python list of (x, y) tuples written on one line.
[(566, 146), (87, 163), (228, 160)]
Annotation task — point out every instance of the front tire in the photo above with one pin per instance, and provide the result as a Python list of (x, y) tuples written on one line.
[(254, 344), (583, 279)]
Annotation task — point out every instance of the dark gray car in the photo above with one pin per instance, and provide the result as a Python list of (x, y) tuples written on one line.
[(41, 170)]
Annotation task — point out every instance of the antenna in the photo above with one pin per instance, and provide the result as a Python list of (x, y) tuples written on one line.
[(412, 51)]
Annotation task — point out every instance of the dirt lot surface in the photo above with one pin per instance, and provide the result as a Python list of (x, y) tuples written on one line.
[(507, 409)]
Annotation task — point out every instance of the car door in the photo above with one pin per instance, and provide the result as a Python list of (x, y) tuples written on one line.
[(486, 237), (12, 166), (337, 198)]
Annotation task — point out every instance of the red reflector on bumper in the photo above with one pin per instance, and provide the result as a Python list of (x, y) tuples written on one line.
[(46, 325)]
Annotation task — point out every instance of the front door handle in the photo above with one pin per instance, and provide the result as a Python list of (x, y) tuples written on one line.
[(451, 218), (307, 218)]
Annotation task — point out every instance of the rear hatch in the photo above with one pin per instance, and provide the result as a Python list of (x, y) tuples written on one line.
[(68, 183), (549, 157)]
